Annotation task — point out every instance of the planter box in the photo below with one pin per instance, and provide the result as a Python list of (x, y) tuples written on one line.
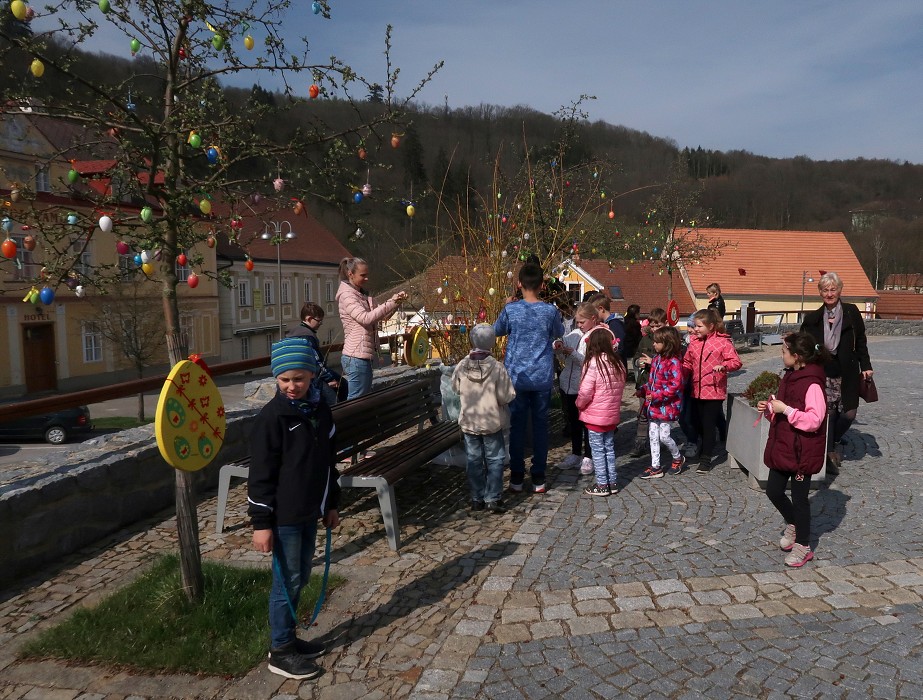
[(746, 443)]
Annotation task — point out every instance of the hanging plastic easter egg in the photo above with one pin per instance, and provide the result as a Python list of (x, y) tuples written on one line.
[(316, 7), (502, 253), (509, 275), (249, 265), (192, 280), (195, 140), (248, 42), (79, 290), (482, 315), (361, 153), (8, 248), (210, 241), (313, 91), (411, 210), (449, 318), (205, 206), (72, 219), (122, 248), (181, 260), (19, 9), (445, 300), (104, 6), (525, 236), (147, 269), (137, 259), (7, 224), (357, 197), (14, 194), (298, 208), (278, 184), (212, 155), (34, 296), (366, 190), (491, 291), (71, 282), (105, 224), (28, 243), (135, 46), (147, 214), (611, 214), (37, 68), (146, 257), (395, 140), (463, 329), (218, 42), (72, 176)]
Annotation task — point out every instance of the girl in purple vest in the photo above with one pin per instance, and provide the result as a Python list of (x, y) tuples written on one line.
[(797, 443)]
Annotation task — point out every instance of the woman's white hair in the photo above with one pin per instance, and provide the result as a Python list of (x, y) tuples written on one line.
[(829, 278)]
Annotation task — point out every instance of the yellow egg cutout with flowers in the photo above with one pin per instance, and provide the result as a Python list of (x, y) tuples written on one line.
[(190, 422)]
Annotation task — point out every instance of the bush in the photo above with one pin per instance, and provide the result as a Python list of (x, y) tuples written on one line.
[(764, 384)]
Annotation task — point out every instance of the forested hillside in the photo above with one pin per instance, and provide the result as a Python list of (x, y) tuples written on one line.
[(449, 155)]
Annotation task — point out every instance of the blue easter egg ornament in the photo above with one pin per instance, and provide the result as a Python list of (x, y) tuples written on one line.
[(316, 7), (138, 260), (46, 295), (357, 197), (463, 329), (212, 154)]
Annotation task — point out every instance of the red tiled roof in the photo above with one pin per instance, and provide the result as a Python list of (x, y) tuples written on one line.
[(904, 281), (641, 284), (769, 264), (313, 243), (897, 304)]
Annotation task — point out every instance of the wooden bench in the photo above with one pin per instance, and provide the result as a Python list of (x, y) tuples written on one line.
[(367, 422)]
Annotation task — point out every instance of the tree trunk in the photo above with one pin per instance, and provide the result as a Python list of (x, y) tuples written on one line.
[(141, 407), (187, 519)]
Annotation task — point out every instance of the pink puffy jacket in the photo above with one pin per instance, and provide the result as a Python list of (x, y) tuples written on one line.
[(360, 316), (600, 396), (702, 356)]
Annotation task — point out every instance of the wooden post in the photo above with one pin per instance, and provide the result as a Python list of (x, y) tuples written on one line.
[(187, 518)]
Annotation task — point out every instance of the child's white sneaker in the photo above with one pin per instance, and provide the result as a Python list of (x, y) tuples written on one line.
[(586, 466), (571, 462)]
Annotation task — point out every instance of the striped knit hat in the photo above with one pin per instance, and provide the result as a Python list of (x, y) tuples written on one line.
[(292, 353)]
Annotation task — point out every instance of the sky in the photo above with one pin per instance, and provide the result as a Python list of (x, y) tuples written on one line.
[(828, 80)]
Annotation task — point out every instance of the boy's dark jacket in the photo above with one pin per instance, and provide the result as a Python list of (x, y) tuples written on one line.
[(305, 331), (292, 479)]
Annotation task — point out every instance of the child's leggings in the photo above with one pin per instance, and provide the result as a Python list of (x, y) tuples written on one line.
[(797, 510), (659, 432), (603, 448), (708, 411)]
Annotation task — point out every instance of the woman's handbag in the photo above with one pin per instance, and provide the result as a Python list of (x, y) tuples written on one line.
[(867, 390)]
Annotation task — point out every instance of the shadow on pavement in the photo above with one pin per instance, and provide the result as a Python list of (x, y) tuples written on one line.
[(828, 508)]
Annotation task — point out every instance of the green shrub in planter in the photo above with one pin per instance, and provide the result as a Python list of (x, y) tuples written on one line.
[(764, 384)]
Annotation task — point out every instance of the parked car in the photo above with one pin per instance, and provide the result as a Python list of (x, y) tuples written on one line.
[(54, 428)]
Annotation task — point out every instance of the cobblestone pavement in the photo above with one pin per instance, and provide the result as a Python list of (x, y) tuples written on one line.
[(673, 589)]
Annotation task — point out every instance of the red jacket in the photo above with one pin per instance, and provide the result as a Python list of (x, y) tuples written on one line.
[(702, 356), (789, 449)]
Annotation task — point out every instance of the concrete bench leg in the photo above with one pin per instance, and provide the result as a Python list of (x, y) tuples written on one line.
[(387, 503), (224, 485)]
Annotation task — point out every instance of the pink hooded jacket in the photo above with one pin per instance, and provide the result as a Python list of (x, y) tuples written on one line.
[(600, 396), (702, 356), (360, 316)]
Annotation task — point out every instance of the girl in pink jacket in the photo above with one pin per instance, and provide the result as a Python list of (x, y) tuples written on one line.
[(709, 358), (600, 401), (360, 317)]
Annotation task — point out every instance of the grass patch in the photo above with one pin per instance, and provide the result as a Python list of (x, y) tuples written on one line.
[(150, 625), (118, 423)]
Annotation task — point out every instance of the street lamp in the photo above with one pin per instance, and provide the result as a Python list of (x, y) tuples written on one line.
[(277, 237), (804, 279)]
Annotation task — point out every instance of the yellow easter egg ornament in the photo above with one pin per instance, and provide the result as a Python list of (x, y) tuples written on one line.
[(248, 42), (37, 68), (189, 423), (19, 9)]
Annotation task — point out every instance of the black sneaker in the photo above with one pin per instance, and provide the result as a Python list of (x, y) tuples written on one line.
[(705, 465), (287, 662), (477, 505), (497, 507), (310, 649)]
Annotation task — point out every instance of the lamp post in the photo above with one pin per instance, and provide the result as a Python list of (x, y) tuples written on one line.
[(277, 237), (804, 279)]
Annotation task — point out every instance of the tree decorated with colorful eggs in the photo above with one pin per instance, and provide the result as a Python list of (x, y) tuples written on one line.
[(184, 158)]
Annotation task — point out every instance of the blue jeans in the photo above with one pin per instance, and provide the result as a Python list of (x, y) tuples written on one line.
[(602, 445), (485, 466), (358, 373), (525, 402), (293, 552)]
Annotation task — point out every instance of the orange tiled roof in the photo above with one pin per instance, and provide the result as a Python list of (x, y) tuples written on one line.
[(769, 264), (898, 304), (641, 284), (905, 281)]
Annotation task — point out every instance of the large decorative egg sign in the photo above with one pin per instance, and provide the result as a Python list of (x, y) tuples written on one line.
[(190, 422)]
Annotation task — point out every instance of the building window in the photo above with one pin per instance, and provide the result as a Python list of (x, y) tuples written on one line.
[(182, 272), (574, 293), (92, 341), (187, 328), (308, 295), (243, 293), (286, 291), (24, 267), (42, 181), (329, 287), (329, 336), (84, 263), (268, 295), (245, 348)]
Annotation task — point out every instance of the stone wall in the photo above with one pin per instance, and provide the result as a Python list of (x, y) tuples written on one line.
[(876, 326), (50, 510)]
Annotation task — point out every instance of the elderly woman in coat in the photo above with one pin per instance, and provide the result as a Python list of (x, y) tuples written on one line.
[(838, 325)]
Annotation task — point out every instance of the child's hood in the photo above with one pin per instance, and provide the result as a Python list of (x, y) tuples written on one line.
[(480, 370)]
